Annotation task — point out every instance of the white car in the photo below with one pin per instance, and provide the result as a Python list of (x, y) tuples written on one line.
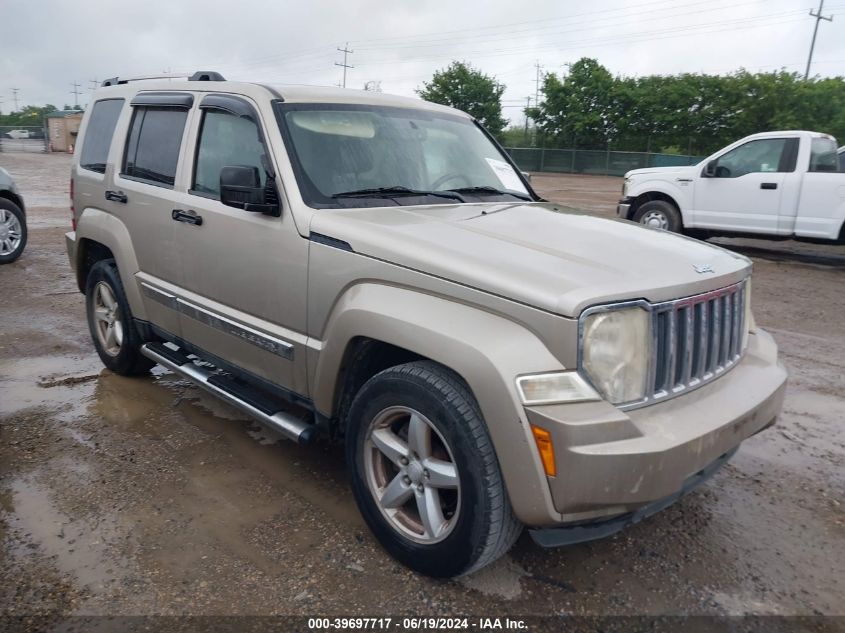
[(775, 184), (18, 134)]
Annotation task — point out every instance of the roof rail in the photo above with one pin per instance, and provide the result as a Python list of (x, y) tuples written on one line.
[(200, 75)]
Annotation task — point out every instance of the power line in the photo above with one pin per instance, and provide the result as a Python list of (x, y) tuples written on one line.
[(819, 17), (75, 92), (345, 50)]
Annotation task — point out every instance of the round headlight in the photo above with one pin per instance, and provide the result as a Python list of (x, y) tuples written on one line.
[(616, 352)]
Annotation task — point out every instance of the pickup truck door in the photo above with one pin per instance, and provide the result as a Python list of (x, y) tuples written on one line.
[(747, 189), (245, 273), (821, 205)]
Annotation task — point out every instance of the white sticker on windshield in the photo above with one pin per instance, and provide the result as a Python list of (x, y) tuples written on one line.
[(506, 175)]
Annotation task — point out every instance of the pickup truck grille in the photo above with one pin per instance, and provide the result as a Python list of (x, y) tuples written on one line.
[(695, 340)]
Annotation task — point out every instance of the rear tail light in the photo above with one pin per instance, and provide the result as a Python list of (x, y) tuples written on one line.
[(72, 209)]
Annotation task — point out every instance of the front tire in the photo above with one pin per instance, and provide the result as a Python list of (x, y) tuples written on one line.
[(115, 336), (660, 214), (424, 472), (13, 231)]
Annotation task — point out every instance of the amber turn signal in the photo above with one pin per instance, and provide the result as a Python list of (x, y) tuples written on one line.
[(543, 439)]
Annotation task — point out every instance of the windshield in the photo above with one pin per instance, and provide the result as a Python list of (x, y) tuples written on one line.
[(354, 155)]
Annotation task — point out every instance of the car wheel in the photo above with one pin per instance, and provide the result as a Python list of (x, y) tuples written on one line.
[(12, 231), (424, 472), (116, 338), (659, 214)]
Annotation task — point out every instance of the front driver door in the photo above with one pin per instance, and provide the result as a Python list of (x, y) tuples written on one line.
[(745, 193), (245, 273)]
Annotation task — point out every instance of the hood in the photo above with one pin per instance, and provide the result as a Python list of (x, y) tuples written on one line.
[(539, 254), (661, 170)]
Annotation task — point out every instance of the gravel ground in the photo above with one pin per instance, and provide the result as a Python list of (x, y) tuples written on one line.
[(144, 496)]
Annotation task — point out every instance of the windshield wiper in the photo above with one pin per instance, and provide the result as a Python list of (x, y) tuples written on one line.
[(391, 192), (491, 191)]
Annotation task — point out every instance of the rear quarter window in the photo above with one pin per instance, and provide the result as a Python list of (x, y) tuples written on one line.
[(153, 144), (98, 135)]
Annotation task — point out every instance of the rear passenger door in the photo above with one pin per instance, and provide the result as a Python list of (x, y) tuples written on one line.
[(245, 273), (143, 193)]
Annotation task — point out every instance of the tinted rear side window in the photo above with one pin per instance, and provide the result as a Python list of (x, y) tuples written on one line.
[(95, 146), (152, 147)]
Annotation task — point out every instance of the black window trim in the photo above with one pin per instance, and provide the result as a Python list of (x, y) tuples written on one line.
[(164, 99), (236, 106), (147, 181), (114, 131)]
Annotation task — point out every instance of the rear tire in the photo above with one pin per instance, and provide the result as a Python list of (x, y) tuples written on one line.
[(424, 472), (13, 233), (115, 336), (660, 214)]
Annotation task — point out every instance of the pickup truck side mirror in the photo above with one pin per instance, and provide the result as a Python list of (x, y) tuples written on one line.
[(710, 168), (240, 187)]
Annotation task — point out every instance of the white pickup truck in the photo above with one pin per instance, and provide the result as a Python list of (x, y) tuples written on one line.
[(775, 184)]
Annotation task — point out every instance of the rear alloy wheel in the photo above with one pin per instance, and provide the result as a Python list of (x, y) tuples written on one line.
[(424, 472), (12, 231), (115, 336), (659, 214)]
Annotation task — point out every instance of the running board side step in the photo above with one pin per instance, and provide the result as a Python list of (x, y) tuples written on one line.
[(279, 420)]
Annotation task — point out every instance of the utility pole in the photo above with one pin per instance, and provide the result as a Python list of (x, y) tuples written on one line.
[(527, 105), (345, 50), (819, 17), (94, 83), (75, 92), (537, 83), (15, 97)]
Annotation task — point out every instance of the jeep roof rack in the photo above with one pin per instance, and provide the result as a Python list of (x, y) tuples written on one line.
[(200, 75)]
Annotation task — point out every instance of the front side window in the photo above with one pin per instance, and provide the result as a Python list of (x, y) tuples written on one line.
[(760, 156), (226, 139), (823, 155), (152, 147), (98, 135), (345, 153)]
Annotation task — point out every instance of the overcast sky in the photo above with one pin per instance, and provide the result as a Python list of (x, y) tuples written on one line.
[(47, 45)]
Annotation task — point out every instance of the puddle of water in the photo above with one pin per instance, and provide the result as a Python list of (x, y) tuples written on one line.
[(21, 383), (76, 546)]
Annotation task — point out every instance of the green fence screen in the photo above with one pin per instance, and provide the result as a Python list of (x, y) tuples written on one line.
[(599, 162)]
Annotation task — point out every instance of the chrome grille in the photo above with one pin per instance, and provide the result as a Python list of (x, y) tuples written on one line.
[(695, 339)]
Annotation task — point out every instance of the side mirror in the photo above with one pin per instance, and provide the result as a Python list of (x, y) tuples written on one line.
[(240, 187), (526, 175), (710, 168)]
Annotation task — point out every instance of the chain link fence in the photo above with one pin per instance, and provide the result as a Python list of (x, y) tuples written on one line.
[(598, 162), (23, 138)]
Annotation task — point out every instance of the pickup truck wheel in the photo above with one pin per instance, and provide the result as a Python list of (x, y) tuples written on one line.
[(116, 339), (424, 472), (660, 215), (12, 231)]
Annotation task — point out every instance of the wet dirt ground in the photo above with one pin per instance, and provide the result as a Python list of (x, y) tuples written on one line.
[(140, 496)]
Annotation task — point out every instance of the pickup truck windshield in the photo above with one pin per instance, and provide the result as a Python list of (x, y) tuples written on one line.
[(361, 155)]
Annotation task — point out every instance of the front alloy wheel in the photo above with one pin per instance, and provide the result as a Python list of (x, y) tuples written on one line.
[(108, 321), (424, 471), (412, 475)]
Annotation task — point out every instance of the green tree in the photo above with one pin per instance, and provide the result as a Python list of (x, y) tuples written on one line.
[(578, 110), (461, 86)]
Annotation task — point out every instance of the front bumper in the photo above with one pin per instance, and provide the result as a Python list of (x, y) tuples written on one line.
[(624, 208), (580, 533), (612, 463)]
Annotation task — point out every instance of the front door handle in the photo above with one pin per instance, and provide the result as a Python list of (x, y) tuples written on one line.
[(768, 185), (187, 216), (116, 196)]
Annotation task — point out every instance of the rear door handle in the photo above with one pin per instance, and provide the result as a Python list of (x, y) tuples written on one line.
[(116, 196), (187, 216), (768, 185)]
